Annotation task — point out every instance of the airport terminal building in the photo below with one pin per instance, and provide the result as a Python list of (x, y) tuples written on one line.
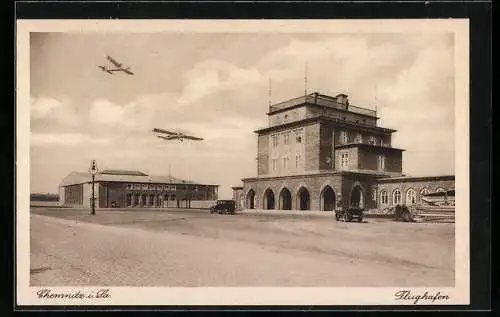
[(134, 189), (318, 149)]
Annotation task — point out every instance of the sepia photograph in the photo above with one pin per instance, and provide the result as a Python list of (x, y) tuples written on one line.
[(242, 162)]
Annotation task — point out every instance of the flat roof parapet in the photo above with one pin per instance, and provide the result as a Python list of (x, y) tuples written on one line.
[(322, 100)]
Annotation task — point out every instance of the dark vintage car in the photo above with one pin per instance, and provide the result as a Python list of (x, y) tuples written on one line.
[(223, 207), (349, 214)]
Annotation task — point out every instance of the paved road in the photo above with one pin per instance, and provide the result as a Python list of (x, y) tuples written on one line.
[(173, 248)]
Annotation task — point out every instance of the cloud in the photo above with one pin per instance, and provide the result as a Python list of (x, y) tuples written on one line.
[(104, 111), (430, 76), (40, 107), (212, 76), (50, 109), (65, 139), (142, 111)]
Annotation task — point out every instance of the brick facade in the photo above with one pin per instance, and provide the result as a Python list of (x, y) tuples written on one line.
[(263, 154), (417, 184), (123, 196), (312, 141), (239, 198), (342, 149), (341, 183), (132, 189)]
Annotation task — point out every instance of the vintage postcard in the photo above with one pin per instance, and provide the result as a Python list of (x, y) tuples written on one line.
[(242, 162)]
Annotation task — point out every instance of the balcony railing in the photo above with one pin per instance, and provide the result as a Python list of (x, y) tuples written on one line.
[(290, 103), (319, 100), (364, 111)]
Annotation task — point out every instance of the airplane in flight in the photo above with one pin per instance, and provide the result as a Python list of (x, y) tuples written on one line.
[(168, 135), (119, 67)]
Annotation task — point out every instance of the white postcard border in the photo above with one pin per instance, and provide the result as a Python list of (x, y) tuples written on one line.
[(460, 294)]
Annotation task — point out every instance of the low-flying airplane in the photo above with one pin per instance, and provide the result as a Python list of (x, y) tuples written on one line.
[(119, 67), (168, 135)]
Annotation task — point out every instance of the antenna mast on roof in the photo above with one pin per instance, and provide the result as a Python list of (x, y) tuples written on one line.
[(269, 101), (305, 81)]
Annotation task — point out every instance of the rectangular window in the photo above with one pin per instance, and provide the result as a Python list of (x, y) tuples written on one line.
[(343, 137), (274, 139), (298, 159), (285, 162), (381, 162), (344, 160), (359, 138), (286, 138), (275, 167), (372, 140)]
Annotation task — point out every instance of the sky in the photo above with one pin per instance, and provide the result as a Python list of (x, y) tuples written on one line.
[(216, 86)]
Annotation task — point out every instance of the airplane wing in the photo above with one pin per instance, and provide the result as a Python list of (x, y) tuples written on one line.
[(167, 137), (163, 131), (128, 71), (192, 138), (113, 61)]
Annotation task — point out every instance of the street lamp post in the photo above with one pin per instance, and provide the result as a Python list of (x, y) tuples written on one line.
[(93, 172)]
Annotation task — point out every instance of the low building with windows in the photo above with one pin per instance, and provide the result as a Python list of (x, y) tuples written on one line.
[(318, 149), (134, 189)]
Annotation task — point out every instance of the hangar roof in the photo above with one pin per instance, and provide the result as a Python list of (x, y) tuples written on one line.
[(122, 172), (122, 176)]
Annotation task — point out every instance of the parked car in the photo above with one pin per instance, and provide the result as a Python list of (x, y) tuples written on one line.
[(349, 214), (223, 207)]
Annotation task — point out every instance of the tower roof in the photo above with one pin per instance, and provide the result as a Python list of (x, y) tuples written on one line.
[(340, 102)]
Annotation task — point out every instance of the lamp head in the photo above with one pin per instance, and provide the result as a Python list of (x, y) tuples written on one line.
[(93, 168)]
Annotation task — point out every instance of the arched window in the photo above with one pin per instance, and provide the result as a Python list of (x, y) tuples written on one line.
[(424, 191), (411, 197), (396, 197), (384, 199), (440, 189)]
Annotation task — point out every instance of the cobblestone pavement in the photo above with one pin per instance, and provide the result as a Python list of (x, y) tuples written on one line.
[(194, 248)]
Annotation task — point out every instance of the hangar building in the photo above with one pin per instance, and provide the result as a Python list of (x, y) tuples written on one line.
[(319, 149), (134, 189)]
